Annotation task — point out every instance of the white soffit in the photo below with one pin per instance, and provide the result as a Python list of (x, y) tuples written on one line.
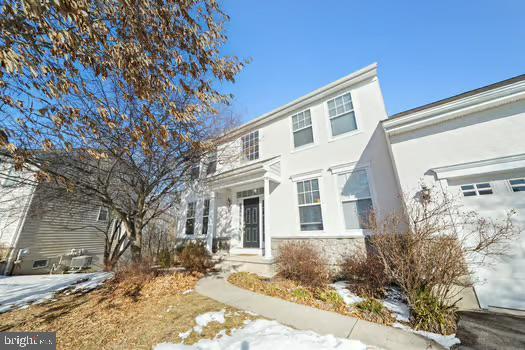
[(495, 165), (488, 99)]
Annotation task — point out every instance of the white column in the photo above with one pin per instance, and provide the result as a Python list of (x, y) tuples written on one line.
[(267, 230), (211, 222)]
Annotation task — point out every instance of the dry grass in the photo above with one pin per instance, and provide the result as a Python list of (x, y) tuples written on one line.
[(128, 313), (324, 298)]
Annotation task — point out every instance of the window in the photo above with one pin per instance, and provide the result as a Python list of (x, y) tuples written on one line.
[(190, 218), (309, 200), (211, 168), (195, 171), (517, 185), (341, 114), (356, 199), (10, 178), (103, 214), (476, 189), (250, 146), (205, 215), (302, 129), (39, 264), (249, 193)]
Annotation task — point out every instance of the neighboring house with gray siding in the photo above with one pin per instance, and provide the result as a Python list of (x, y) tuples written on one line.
[(43, 227)]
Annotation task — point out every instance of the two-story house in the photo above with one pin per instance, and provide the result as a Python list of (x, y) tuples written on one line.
[(316, 167), (312, 169)]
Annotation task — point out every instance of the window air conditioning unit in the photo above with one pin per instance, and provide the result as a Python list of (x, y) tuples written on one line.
[(80, 262)]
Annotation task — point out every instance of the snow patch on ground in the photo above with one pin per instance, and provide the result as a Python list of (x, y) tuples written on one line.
[(264, 334), (342, 289), (446, 341), (203, 320), (21, 291), (395, 302)]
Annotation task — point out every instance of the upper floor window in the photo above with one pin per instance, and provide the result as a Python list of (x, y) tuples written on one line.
[(195, 171), (479, 189), (341, 114), (211, 168), (190, 218), (356, 199), (250, 146), (309, 199), (205, 216), (103, 214), (302, 129), (517, 185)]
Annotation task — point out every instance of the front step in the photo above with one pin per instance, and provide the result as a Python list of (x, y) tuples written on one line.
[(249, 263)]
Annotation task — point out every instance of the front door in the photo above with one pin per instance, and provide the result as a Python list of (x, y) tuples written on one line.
[(251, 223)]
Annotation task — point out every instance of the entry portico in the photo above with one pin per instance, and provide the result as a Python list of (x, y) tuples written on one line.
[(241, 200)]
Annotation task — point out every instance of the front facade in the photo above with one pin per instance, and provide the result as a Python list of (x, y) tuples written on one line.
[(314, 168), (310, 170)]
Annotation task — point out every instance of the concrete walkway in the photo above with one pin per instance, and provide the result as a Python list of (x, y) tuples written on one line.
[(307, 318)]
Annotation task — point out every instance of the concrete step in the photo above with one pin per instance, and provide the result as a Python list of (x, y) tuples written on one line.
[(248, 263)]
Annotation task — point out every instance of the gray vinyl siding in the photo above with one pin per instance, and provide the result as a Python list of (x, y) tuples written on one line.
[(56, 223)]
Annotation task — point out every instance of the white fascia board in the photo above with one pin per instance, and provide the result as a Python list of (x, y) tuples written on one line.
[(454, 109), (495, 165), (354, 78)]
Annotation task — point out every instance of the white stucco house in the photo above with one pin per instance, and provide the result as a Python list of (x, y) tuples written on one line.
[(314, 168)]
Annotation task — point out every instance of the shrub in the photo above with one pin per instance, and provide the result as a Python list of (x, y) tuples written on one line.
[(301, 262), (373, 310), (195, 257), (430, 315), (366, 274), (165, 258)]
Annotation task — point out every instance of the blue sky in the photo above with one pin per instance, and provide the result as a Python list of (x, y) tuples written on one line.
[(426, 50)]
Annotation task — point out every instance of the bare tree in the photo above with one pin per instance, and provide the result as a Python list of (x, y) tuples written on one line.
[(435, 245), (112, 100)]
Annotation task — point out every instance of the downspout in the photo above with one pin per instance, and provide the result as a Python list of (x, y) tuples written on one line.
[(13, 255)]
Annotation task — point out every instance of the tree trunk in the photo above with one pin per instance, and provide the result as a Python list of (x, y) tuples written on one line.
[(136, 255)]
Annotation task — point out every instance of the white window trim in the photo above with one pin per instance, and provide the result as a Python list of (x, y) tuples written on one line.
[(476, 190), (345, 169), (358, 130), (204, 216), (244, 160), (194, 217), (107, 215), (510, 187), (322, 203), (314, 136), (40, 267)]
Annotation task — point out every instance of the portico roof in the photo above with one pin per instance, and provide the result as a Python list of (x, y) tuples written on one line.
[(269, 168)]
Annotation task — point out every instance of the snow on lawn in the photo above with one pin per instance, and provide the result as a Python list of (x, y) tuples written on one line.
[(204, 319), (446, 341), (342, 289), (263, 335), (20, 291), (396, 303)]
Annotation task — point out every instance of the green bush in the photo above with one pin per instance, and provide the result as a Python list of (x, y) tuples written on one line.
[(165, 258), (431, 315), (195, 257), (331, 296), (373, 310)]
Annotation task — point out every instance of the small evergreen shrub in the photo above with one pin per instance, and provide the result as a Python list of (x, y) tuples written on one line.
[(431, 315)]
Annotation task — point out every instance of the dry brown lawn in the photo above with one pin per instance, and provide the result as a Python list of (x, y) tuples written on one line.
[(125, 314)]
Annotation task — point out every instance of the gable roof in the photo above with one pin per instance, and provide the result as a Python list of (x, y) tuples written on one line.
[(358, 76)]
